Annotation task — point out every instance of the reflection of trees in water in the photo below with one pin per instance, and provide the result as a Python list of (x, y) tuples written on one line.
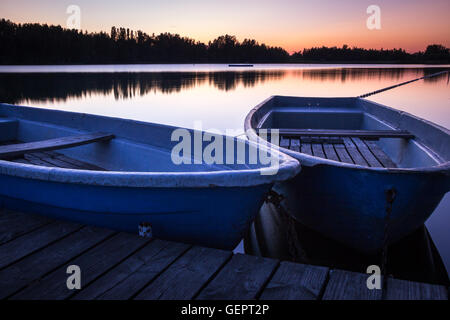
[(353, 74), (440, 77), (350, 74), (53, 87), (230, 80)]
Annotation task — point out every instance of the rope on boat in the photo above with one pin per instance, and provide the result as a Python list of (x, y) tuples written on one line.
[(295, 250), (390, 197), (401, 84)]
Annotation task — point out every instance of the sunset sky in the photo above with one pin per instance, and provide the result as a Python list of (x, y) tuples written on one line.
[(291, 24)]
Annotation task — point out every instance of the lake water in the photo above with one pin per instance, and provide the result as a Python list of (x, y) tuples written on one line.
[(220, 97)]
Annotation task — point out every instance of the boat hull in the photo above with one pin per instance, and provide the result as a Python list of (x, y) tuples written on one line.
[(346, 199), (214, 217), (350, 205)]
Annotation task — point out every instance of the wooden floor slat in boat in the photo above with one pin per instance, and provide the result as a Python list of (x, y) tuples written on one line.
[(379, 154), (19, 149), (66, 161), (366, 153), (317, 150), (305, 148), (343, 154), (354, 153), (52, 159), (344, 149), (295, 145), (284, 143), (49, 161), (124, 266), (330, 153)]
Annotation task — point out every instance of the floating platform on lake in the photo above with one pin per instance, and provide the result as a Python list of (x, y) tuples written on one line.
[(36, 251), (240, 65)]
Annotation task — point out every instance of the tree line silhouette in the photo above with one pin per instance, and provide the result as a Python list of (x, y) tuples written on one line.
[(43, 44), (433, 54)]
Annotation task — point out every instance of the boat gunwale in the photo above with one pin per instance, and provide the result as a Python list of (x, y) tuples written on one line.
[(307, 160), (199, 179)]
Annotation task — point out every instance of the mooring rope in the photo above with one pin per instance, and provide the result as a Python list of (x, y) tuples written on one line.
[(294, 247), (401, 84)]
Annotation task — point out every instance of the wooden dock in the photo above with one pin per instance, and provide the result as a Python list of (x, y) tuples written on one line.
[(35, 252)]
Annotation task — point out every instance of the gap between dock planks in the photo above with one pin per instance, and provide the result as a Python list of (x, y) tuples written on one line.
[(35, 254)]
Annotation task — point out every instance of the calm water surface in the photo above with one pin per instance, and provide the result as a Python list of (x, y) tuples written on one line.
[(220, 97)]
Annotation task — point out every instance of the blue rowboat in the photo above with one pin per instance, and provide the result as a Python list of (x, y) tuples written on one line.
[(57, 164), (370, 175)]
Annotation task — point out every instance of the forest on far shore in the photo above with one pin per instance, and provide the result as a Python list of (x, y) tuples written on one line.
[(43, 44)]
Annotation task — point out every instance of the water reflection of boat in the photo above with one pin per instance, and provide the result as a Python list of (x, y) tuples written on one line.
[(274, 234), (371, 175)]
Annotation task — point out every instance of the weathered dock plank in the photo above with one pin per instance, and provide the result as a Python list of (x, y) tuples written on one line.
[(133, 274), (294, 281), (186, 276), (249, 275), (14, 224), (346, 285), (22, 246), (408, 290), (93, 263), (18, 275), (119, 266)]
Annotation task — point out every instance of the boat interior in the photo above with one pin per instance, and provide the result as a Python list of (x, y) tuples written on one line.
[(343, 130), (60, 140), (50, 159)]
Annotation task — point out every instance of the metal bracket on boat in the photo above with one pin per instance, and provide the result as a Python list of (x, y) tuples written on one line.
[(145, 230), (274, 198)]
